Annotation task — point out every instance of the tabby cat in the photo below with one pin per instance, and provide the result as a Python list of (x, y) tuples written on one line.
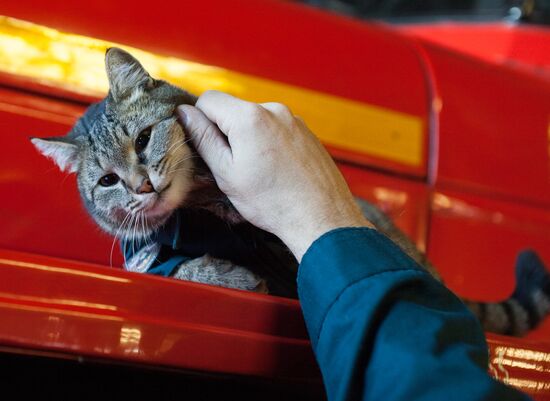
[(141, 181)]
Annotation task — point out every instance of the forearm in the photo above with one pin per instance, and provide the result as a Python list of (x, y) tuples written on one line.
[(383, 328)]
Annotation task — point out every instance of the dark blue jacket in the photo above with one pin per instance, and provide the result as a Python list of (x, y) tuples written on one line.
[(384, 329)]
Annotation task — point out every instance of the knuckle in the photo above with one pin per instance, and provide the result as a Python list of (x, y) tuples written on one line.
[(256, 114), (278, 109), (282, 110), (298, 123)]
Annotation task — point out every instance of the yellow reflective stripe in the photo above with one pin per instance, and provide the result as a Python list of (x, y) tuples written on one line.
[(344, 123), (76, 63)]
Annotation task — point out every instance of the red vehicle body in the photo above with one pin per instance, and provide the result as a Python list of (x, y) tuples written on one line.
[(471, 184)]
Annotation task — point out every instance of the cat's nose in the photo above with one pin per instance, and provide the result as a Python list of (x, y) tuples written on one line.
[(146, 187)]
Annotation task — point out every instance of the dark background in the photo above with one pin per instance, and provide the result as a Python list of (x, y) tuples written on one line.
[(525, 11)]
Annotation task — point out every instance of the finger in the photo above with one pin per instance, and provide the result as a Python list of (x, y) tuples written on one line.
[(300, 121), (222, 108), (207, 138)]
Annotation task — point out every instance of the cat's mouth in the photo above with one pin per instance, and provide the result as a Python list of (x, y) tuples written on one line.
[(158, 206), (163, 190), (161, 206)]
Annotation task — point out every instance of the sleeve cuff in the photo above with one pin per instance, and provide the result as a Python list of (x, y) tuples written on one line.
[(337, 260)]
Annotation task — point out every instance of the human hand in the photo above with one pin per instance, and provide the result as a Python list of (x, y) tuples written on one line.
[(272, 168)]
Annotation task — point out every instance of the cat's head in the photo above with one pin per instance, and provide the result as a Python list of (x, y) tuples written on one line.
[(129, 152)]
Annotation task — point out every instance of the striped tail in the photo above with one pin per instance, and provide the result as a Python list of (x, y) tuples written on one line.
[(526, 307)]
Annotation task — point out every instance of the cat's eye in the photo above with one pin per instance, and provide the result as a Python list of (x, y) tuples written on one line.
[(109, 180), (142, 140)]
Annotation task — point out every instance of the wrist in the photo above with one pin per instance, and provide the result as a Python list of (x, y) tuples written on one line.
[(298, 238)]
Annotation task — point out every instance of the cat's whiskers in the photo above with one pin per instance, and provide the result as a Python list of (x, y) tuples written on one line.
[(147, 226), (145, 236), (126, 236), (180, 169), (130, 237), (179, 145), (171, 146), (142, 225), (65, 178), (115, 238), (176, 164), (144, 230), (136, 231), (184, 159)]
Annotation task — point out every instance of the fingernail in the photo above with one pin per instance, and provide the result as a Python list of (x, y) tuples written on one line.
[(184, 118)]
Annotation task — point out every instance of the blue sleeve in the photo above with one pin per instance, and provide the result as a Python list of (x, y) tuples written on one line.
[(383, 329)]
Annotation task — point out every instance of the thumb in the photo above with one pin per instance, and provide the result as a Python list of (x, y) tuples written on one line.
[(209, 141)]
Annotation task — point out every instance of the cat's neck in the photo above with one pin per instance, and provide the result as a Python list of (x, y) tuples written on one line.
[(207, 195)]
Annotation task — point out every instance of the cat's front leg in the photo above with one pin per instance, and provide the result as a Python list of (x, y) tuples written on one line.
[(223, 273)]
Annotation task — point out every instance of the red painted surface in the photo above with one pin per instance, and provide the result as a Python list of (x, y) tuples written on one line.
[(524, 47), (474, 242), (493, 128), (282, 41), (55, 304), (405, 201), (487, 197)]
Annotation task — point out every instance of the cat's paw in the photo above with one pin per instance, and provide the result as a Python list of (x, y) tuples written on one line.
[(209, 270), (261, 288)]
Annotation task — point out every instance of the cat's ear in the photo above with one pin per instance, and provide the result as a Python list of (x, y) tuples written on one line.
[(125, 73), (63, 151)]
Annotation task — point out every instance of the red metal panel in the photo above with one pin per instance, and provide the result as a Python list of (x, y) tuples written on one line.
[(493, 128), (474, 242), (54, 304), (278, 40), (522, 46), (405, 201)]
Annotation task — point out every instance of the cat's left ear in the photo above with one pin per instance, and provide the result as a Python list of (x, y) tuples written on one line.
[(125, 73), (63, 151)]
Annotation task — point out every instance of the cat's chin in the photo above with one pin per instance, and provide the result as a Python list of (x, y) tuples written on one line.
[(157, 221), (158, 210), (157, 214), (167, 201)]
